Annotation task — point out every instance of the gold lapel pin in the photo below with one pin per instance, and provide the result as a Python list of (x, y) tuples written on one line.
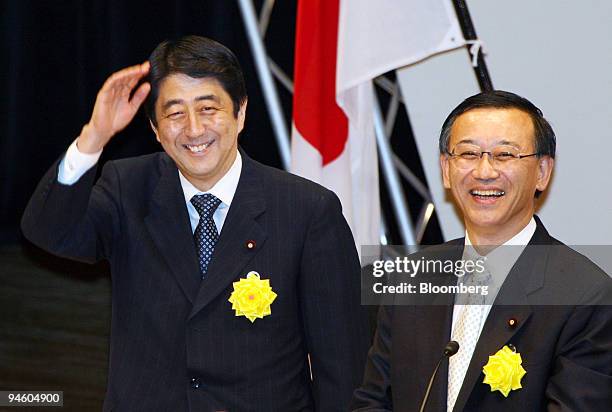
[(512, 322), (251, 244)]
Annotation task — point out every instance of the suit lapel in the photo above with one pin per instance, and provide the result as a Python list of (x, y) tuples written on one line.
[(231, 253), (495, 334), (169, 227), (525, 277)]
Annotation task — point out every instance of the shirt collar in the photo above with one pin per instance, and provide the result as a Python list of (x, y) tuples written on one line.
[(224, 189), (501, 260), (521, 238)]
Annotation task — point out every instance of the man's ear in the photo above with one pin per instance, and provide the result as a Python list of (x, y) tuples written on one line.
[(242, 115), (444, 166), (154, 130), (545, 168)]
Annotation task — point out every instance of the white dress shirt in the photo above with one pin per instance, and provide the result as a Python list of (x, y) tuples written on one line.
[(224, 190), (498, 262), (76, 163)]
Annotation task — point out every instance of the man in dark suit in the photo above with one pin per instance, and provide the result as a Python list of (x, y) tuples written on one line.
[(234, 285), (551, 304)]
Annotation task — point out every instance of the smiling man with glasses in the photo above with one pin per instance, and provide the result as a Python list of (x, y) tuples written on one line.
[(542, 340), (496, 153)]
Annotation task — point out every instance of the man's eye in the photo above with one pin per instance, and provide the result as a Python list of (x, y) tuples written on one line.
[(175, 115), (504, 156), (208, 109), (469, 155)]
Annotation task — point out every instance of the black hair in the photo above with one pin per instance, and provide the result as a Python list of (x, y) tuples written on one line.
[(545, 141), (197, 57)]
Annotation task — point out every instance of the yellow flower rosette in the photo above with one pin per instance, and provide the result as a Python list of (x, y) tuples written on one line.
[(252, 297), (503, 372)]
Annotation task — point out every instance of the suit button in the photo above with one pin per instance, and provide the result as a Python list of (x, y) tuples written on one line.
[(195, 383)]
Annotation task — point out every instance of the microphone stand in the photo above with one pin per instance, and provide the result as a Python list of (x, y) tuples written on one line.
[(450, 349)]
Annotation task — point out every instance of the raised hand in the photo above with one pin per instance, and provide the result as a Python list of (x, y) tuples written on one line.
[(114, 109)]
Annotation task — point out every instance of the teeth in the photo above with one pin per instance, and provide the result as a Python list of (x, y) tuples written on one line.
[(199, 148), (495, 193)]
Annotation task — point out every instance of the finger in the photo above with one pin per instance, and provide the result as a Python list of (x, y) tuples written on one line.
[(145, 66), (134, 80), (140, 94), (124, 76)]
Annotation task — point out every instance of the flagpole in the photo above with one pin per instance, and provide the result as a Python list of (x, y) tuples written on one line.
[(469, 34), (267, 82)]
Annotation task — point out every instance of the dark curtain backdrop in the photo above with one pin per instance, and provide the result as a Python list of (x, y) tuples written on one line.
[(58, 54)]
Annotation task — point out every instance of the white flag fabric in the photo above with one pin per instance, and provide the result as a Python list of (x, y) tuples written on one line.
[(375, 37), (340, 47)]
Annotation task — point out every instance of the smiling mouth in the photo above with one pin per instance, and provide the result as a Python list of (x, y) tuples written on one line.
[(487, 194), (193, 148)]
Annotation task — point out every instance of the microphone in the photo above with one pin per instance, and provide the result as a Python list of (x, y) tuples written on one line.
[(450, 349)]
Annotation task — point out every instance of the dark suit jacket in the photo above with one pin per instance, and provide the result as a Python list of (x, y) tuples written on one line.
[(566, 349), (176, 343)]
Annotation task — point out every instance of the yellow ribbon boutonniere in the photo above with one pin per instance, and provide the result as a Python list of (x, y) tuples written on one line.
[(504, 372), (252, 297)]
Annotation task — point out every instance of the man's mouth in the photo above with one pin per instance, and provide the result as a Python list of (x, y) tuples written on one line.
[(197, 148), (487, 194)]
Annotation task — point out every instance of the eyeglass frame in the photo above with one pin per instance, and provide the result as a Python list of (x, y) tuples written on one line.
[(491, 157)]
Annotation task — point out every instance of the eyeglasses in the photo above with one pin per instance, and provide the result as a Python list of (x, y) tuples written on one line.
[(467, 156)]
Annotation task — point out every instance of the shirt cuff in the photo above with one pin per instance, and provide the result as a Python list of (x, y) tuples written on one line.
[(75, 164)]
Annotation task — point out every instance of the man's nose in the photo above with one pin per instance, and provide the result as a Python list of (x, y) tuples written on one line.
[(485, 168), (195, 127)]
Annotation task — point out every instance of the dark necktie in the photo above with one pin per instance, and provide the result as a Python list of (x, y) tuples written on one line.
[(205, 234)]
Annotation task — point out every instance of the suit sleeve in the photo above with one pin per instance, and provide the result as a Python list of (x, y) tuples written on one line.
[(335, 324), (374, 395), (75, 164), (581, 379), (78, 221)]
